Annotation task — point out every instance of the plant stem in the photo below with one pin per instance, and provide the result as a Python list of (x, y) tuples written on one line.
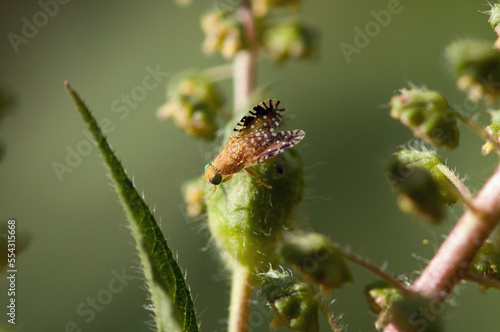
[(243, 85), (463, 191), (241, 296), (332, 321), (383, 275), (244, 61), (461, 246), (479, 130), (452, 260), (482, 281)]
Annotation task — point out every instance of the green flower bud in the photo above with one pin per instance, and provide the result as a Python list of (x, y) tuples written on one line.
[(380, 296), (477, 66), (193, 102), (198, 122), (261, 7), (494, 15), (196, 89), (487, 261), (417, 314), (417, 192), (194, 197), (421, 186), (289, 40), (493, 130), (495, 116), (247, 219), (223, 31), (293, 302), (430, 161), (428, 115), (315, 259)]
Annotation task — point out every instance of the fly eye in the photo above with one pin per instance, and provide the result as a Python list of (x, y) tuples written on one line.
[(216, 179)]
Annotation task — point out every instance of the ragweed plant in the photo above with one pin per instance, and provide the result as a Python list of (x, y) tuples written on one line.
[(424, 185), (250, 218)]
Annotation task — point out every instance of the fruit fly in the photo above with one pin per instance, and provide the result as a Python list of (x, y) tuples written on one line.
[(253, 141)]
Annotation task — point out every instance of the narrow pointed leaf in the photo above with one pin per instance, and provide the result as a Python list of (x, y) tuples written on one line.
[(173, 304)]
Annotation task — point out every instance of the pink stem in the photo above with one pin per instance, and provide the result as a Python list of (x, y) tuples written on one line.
[(455, 255), (244, 61), (244, 81)]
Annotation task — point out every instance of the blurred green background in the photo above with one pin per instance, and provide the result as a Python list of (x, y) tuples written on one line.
[(79, 237)]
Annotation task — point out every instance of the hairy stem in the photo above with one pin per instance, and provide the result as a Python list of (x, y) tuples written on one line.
[(451, 262), (463, 191), (482, 281), (383, 275), (479, 130), (241, 296), (243, 85), (332, 321)]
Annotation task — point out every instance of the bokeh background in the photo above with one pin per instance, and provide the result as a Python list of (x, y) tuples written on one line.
[(78, 236)]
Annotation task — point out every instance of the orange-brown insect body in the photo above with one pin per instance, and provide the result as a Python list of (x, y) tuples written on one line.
[(252, 142), (235, 156)]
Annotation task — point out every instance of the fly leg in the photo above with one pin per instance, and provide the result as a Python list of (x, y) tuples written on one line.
[(252, 173), (227, 178)]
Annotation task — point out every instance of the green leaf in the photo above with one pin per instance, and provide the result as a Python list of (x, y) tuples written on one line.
[(173, 304)]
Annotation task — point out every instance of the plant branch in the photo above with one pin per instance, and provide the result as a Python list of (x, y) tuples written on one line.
[(241, 296), (383, 275), (451, 262), (244, 61), (243, 85), (479, 130), (332, 321), (486, 282), (462, 189)]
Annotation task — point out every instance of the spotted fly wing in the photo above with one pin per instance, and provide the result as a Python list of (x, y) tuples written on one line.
[(274, 143), (265, 117)]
